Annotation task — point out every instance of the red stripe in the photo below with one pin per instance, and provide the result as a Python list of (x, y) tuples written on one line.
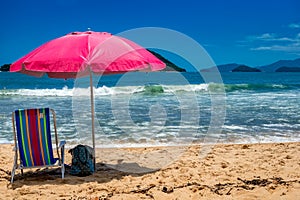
[(34, 137)]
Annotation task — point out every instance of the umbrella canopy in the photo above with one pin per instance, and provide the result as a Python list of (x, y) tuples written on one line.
[(80, 54), (99, 52)]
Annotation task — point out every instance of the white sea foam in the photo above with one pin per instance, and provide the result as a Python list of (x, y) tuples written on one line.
[(65, 91), (285, 125), (234, 127), (104, 90), (101, 91)]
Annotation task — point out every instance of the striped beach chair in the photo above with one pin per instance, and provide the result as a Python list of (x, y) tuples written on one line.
[(33, 143)]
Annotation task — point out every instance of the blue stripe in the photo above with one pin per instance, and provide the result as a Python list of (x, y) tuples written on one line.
[(18, 130)]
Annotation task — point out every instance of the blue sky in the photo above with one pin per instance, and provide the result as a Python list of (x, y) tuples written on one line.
[(254, 33)]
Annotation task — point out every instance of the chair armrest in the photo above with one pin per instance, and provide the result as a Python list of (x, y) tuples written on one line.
[(62, 143)]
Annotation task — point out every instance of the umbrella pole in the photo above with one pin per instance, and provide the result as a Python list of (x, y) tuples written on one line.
[(93, 116)]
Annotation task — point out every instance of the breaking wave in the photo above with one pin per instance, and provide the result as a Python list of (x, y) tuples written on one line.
[(148, 89)]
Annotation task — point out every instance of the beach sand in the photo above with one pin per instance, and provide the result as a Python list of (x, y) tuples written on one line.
[(226, 171)]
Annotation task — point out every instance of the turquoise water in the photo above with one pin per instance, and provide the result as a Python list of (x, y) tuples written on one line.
[(143, 109)]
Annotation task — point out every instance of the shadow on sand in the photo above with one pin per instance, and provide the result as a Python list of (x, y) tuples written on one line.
[(104, 173)]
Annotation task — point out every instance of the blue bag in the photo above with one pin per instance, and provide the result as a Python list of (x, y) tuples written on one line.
[(82, 160)]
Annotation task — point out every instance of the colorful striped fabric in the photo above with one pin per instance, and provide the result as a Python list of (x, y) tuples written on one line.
[(34, 137)]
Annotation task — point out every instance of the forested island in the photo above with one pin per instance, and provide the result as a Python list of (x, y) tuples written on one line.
[(244, 68)]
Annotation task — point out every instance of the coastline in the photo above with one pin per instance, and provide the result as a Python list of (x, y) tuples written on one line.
[(226, 171)]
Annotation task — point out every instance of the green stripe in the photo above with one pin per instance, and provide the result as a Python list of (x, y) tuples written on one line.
[(22, 135), (46, 138)]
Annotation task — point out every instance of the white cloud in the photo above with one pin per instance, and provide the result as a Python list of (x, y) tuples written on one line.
[(293, 48), (284, 39), (266, 36), (273, 37), (294, 25), (260, 48), (271, 42)]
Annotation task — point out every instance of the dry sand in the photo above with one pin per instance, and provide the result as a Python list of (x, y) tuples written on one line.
[(227, 171)]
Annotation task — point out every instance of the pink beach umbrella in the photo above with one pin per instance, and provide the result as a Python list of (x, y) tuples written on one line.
[(79, 54)]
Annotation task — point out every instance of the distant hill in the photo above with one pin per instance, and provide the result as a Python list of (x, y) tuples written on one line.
[(169, 65), (244, 68), (288, 69), (281, 63), (232, 67), (222, 68), (288, 64)]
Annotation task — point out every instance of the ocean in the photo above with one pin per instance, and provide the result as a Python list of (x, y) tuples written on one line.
[(161, 108)]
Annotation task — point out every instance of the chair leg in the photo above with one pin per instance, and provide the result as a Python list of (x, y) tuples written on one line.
[(63, 171), (62, 162), (13, 171)]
